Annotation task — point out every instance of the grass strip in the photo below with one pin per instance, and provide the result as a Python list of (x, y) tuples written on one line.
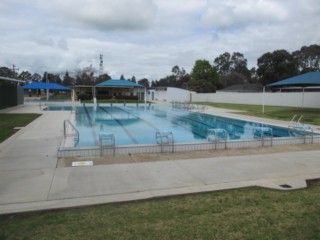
[(310, 115), (8, 121), (248, 213)]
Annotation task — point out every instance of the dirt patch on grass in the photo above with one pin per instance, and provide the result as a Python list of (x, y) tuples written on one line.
[(153, 157)]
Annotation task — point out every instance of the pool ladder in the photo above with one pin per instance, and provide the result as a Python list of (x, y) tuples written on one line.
[(301, 129), (264, 133), (293, 122), (165, 140), (74, 131), (107, 141), (217, 135)]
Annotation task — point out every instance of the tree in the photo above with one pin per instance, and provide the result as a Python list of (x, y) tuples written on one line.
[(36, 77), (253, 73), (85, 76), (276, 66), (204, 77), (52, 78), (122, 77), (144, 82), (232, 68), (25, 75), (308, 58), (67, 80), (232, 79), (239, 65), (6, 72), (102, 78), (133, 79), (223, 63), (180, 78)]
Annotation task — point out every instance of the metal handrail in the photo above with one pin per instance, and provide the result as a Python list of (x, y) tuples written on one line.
[(73, 128), (262, 131), (213, 136), (165, 138)]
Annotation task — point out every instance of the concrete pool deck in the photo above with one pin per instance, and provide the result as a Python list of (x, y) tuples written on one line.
[(30, 179)]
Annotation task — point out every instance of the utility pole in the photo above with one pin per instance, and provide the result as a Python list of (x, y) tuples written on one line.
[(14, 69)]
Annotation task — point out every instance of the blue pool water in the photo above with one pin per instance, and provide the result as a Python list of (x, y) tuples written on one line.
[(133, 124)]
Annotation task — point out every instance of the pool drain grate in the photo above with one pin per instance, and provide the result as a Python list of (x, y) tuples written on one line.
[(285, 186)]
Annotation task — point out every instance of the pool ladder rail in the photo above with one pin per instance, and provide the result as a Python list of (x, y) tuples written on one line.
[(293, 122), (264, 133), (301, 128), (165, 139), (217, 135), (70, 132), (107, 141)]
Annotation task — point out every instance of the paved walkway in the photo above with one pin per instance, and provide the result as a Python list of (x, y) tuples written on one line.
[(29, 179)]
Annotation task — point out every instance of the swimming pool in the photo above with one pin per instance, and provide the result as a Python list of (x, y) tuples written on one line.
[(138, 124)]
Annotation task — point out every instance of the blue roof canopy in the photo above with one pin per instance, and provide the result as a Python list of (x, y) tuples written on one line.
[(118, 83), (42, 85), (303, 80)]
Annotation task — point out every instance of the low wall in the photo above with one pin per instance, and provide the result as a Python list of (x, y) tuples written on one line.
[(289, 99)]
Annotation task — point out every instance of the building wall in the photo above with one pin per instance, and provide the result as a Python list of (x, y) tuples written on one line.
[(170, 94), (11, 96), (289, 99)]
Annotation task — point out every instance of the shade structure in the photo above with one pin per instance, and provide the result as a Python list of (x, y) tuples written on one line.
[(304, 80), (119, 83), (47, 86)]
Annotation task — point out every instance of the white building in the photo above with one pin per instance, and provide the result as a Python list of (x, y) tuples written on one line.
[(169, 94)]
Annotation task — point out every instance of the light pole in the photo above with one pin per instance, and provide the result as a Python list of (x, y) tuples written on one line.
[(47, 82)]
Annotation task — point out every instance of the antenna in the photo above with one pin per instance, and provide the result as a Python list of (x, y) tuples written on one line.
[(101, 65), (14, 69)]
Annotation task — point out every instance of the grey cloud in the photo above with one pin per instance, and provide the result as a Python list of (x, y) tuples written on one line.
[(107, 15), (226, 14)]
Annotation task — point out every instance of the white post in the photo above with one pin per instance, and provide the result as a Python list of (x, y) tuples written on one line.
[(47, 86), (264, 89), (145, 95), (302, 104)]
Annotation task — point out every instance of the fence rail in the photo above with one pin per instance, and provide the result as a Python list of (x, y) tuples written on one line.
[(181, 147)]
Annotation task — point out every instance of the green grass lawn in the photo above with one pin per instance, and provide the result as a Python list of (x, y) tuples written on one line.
[(310, 115), (248, 213), (9, 121)]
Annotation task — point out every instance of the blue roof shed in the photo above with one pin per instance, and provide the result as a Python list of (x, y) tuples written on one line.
[(119, 83), (49, 86), (303, 80)]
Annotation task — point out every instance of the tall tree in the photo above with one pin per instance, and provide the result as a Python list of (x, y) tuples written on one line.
[(239, 65), (180, 78), (232, 68), (122, 77), (102, 78), (52, 78), (144, 82), (204, 77), (276, 66), (25, 75), (85, 76), (6, 72), (223, 63), (308, 58), (68, 80), (36, 77), (133, 79)]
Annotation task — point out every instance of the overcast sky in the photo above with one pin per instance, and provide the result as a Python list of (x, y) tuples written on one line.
[(146, 38)]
